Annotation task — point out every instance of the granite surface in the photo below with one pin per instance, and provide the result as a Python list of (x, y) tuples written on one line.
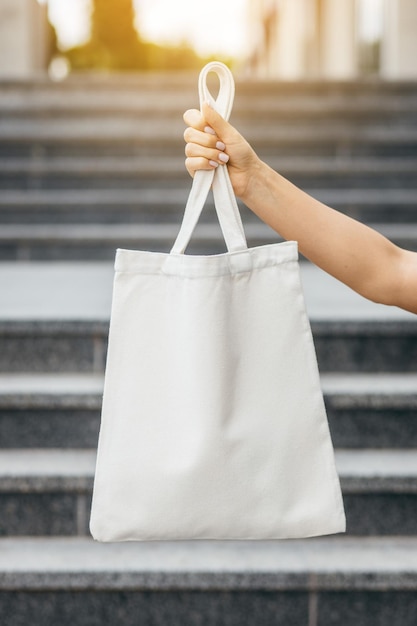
[(326, 563), (48, 491), (63, 409)]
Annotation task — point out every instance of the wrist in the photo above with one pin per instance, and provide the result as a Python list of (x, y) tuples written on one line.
[(257, 181)]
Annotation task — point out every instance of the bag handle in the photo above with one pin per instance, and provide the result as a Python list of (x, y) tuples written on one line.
[(224, 197)]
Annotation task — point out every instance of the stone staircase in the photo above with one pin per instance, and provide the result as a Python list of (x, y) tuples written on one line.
[(79, 159), (94, 164)]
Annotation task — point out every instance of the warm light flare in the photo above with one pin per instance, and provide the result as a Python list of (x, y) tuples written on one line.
[(215, 27)]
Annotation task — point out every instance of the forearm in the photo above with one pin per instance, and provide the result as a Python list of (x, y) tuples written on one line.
[(350, 251)]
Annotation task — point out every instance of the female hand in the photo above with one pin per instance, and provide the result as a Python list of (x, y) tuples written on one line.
[(212, 142), (351, 251)]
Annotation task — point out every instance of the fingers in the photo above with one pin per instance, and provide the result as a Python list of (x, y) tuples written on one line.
[(202, 158), (193, 118), (206, 139), (191, 134), (216, 121), (198, 163), (213, 154), (204, 150), (209, 121)]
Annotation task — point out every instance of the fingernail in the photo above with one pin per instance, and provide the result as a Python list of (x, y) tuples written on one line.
[(213, 163), (220, 145), (223, 157), (208, 129)]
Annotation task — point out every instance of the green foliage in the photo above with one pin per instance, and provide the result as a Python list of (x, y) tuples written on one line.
[(116, 45)]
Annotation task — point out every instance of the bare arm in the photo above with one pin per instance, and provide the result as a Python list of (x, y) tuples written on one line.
[(353, 253), (345, 248)]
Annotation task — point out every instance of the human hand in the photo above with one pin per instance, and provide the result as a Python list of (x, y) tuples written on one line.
[(212, 142)]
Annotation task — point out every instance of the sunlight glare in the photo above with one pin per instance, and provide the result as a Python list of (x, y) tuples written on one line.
[(217, 27), (71, 19)]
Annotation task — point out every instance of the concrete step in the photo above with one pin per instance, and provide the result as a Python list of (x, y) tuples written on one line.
[(97, 81), (120, 90), (250, 111), (143, 108), (139, 90), (56, 317), (80, 345), (163, 129), (49, 410), (121, 135), (98, 242), (320, 582), (48, 491), (136, 172), (303, 144), (371, 410), (165, 203)]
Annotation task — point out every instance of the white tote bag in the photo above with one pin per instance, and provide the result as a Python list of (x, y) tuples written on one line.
[(213, 423)]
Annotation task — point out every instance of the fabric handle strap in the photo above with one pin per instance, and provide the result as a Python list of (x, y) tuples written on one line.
[(224, 197)]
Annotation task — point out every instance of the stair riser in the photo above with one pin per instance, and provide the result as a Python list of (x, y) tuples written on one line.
[(65, 512), (50, 428), (85, 352), (106, 85), (37, 352), (331, 121), (98, 250), (365, 352), (231, 607), (138, 213), (373, 428), (140, 180), (155, 608), (319, 147), (78, 428), (311, 111), (315, 147)]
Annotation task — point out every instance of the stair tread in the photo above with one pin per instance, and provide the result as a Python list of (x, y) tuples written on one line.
[(54, 385), (83, 293), (44, 463), (51, 384), (326, 563), (112, 232), (59, 199), (134, 164), (99, 130), (96, 80), (368, 384), (148, 104), (272, 101), (156, 231)]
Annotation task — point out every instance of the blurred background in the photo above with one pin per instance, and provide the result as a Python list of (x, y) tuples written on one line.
[(92, 94), (266, 38)]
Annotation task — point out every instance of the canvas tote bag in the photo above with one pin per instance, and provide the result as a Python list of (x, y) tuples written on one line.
[(213, 424)]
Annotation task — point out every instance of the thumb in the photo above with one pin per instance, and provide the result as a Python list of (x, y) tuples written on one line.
[(223, 129)]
